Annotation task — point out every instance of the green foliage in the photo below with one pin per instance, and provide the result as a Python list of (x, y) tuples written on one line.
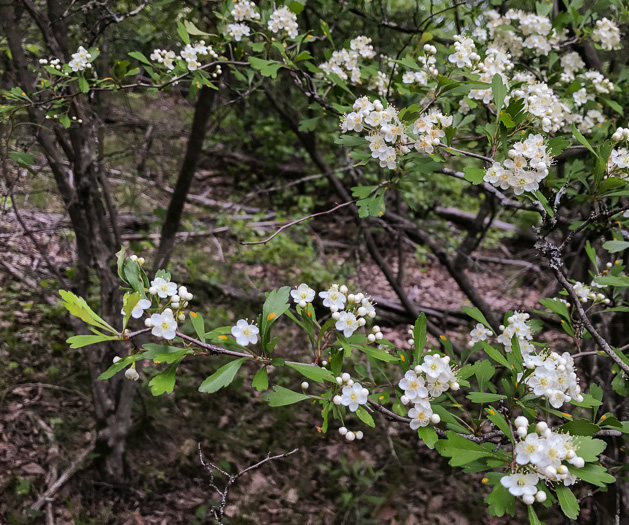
[(222, 377)]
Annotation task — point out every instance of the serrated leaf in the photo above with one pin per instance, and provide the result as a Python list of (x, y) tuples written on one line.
[(615, 246), (222, 377), (474, 175), (79, 308), (267, 68), (589, 448), (593, 473), (261, 379), (283, 396), (428, 435), (365, 417), (500, 501), (462, 451), (568, 502)]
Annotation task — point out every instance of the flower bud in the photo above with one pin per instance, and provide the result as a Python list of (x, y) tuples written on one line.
[(435, 419), (116, 359), (342, 431), (541, 427), (343, 289), (339, 380), (562, 470), (454, 386), (305, 385), (132, 257), (361, 322), (334, 309), (141, 260), (336, 316), (521, 421), (152, 290), (359, 434), (578, 462), (540, 496), (345, 377), (371, 338), (175, 298), (132, 374), (529, 499), (350, 436), (351, 298), (418, 369), (182, 316), (379, 336), (174, 305), (405, 400), (550, 471), (521, 431), (337, 400), (148, 323), (350, 382), (324, 363)]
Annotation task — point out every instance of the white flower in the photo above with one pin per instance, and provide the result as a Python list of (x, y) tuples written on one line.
[(138, 310), (526, 450), (434, 365), (437, 385), (237, 31), (164, 324), (245, 333), (243, 10), (480, 333), (413, 386), (164, 288), (283, 19), (520, 484), (353, 396), (333, 297), (420, 414), (303, 295), (346, 323)]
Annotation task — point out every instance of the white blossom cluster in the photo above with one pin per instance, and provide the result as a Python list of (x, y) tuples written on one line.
[(541, 456), (161, 56), (553, 377), (238, 30), (426, 381), (525, 168), (541, 102), (379, 83), (428, 61), (164, 323), (245, 10), (571, 63), (53, 62), (189, 54), (607, 34), (465, 54), (585, 292), (517, 326), (497, 61), (387, 136), (429, 130), (352, 395), (80, 60), (620, 156), (283, 19), (344, 63)]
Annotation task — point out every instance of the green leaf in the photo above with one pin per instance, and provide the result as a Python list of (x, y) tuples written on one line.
[(499, 420), (117, 367), (428, 435), (140, 57), (533, 519), (199, 325), (484, 397), (153, 350), (283, 396), (544, 202), (583, 140), (266, 68), (379, 354), (79, 308), (462, 451), (484, 372), (593, 473), (568, 501), (222, 377), (579, 427), (194, 30), (183, 33), (171, 357), (474, 175), (557, 145), (296, 7), (477, 315), (499, 90), (500, 501), (615, 246), (313, 372), (83, 85), (370, 203), (365, 417), (64, 120), (164, 383), (132, 275), (589, 448), (261, 380), (129, 302), (419, 336), (495, 354), (79, 341), (612, 280)]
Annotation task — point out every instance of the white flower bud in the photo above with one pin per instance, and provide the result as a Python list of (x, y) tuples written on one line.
[(562, 470), (152, 290), (540, 496), (541, 427), (350, 382), (132, 374), (336, 316), (571, 454), (183, 291), (550, 471), (379, 336), (365, 392), (521, 431), (371, 314), (148, 323), (339, 380), (404, 400), (361, 321), (174, 305), (362, 311), (435, 419), (116, 359), (529, 499), (359, 434), (547, 433), (141, 260), (521, 421), (343, 289), (324, 363), (345, 377), (182, 316), (336, 400), (189, 296), (609, 265), (132, 257), (376, 329), (303, 304), (305, 385), (342, 431), (351, 298), (418, 369), (371, 338), (578, 462), (334, 309), (350, 436), (454, 386), (175, 298), (359, 297), (411, 342)]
